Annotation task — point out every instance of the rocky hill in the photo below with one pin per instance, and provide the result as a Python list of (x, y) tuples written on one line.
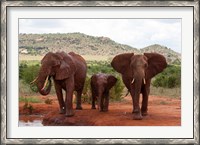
[(171, 56), (39, 44)]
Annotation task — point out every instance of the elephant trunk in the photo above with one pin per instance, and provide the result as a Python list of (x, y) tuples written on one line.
[(136, 86), (42, 83), (135, 91)]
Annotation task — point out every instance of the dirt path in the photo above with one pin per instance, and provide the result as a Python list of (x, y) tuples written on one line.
[(162, 111)]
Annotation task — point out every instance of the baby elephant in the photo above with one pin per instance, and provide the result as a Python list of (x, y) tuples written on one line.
[(100, 85)]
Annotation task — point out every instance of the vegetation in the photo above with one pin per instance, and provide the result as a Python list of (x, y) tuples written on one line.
[(30, 99), (28, 107), (169, 92), (169, 78), (168, 82), (48, 101), (27, 73)]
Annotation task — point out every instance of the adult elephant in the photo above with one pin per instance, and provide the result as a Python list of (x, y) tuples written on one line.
[(101, 84), (68, 71), (137, 72)]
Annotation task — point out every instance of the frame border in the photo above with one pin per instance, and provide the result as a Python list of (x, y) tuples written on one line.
[(6, 4)]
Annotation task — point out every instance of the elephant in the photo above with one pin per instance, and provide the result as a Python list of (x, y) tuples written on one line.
[(100, 85), (68, 71), (137, 72)]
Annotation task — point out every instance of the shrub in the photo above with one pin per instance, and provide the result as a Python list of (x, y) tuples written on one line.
[(169, 78), (22, 66), (117, 90), (86, 95), (28, 107), (48, 101), (28, 74), (99, 67), (24, 88)]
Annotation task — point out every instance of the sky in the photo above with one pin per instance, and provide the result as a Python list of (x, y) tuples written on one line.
[(138, 33)]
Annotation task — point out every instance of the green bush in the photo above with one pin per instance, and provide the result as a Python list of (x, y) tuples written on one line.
[(86, 94), (117, 90), (24, 88), (22, 66), (99, 67), (30, 73), (169, 78), (27, 73)]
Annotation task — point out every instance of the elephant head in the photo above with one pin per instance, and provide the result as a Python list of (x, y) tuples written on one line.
[(57, 65), (137, 71), (101, 85)]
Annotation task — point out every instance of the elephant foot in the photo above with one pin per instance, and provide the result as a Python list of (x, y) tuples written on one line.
[(135, 111), (137, 116), (69, 113), (105, 109), (144, 113), (79, 108), (93, 107), (62, 111), (101, 110)]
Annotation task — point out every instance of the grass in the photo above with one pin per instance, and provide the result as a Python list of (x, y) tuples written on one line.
[(24, 88), (163, 103), (30, 99), (172, 92), (24, 57), (38, 58), (96, 57)]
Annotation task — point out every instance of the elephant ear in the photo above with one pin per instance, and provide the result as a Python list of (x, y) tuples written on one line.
[(156, 64), (111, 81), (66, 68), (93, 79), (121, 62)]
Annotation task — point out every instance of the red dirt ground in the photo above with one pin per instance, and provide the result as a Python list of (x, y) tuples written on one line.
[(162, 111)]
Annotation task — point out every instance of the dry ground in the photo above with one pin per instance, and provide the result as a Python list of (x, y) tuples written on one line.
[(163, 111)]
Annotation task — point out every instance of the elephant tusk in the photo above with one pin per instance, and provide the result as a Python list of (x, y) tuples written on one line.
[(144, 80), (45, 83), (34, 81), (132, 81)]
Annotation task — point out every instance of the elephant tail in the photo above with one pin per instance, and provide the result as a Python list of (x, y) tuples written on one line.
[(127, 93)]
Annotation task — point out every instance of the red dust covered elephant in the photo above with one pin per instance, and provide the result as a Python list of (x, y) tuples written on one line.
[(137, 72), (100, 85), (68, 71)]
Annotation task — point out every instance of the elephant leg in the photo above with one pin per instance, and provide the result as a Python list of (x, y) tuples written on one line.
[(100, 103), (106, 103), (60, 98), (145, 94), (78, 100), (93, 99), (69, 97)]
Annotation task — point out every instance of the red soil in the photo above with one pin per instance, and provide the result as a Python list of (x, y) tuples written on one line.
[(162, 111)]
